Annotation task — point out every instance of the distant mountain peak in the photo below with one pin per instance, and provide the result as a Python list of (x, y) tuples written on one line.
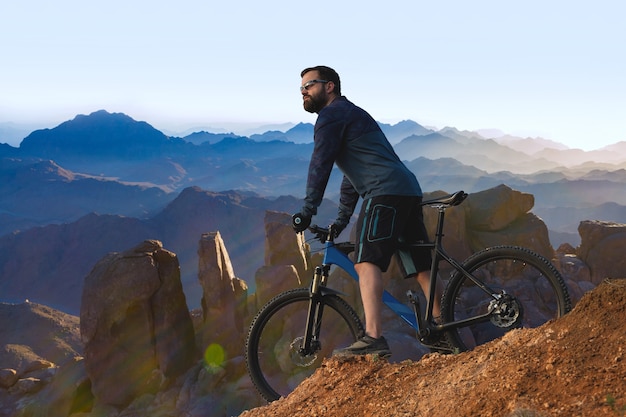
[(407, 122), (102, 119), (99, 133)]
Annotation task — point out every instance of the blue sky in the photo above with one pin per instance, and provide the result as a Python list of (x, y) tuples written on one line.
[(535, 68)]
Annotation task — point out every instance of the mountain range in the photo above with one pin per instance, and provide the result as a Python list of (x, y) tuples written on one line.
[(103, 181), (134, 169)]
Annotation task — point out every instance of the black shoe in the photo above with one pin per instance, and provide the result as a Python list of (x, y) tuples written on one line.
[(366, 346)]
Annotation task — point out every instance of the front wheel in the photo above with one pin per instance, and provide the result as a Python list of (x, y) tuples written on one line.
[(520, 289), (275, 360)]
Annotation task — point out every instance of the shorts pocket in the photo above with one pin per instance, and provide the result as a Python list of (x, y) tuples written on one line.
[(381, 223)]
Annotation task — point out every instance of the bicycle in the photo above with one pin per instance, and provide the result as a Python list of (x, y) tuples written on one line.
[(291, 335)]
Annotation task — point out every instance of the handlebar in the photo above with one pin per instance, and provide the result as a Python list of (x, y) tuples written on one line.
[(321, 233)]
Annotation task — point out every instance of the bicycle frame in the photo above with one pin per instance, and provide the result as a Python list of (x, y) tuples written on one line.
[(493, 287), (422, 325)]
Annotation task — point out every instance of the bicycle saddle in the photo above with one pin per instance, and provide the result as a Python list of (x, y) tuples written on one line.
[(448, 200)]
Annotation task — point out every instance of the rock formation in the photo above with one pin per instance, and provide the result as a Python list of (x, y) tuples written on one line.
[(40, 350), (501, 216), (602, 249), (287, 259), (224, 297), (135, 324)]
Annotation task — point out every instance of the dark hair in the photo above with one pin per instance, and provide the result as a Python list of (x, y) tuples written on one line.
[(326, 73)]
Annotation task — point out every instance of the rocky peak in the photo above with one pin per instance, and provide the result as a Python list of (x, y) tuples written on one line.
[(135, 324)]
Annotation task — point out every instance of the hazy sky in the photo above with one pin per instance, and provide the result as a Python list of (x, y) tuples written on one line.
[(546, 68)]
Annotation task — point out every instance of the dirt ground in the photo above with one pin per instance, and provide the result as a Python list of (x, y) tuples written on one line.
[(573, 366)]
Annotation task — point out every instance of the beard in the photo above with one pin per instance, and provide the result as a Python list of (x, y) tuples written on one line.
[(313, 104)]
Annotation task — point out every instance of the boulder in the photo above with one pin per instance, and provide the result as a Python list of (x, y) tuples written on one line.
[(38, 365), (69, 392), (500, 216), (602, 249), (134, 320), (496, 208), (29, 385), (8, 377), (528, 231)]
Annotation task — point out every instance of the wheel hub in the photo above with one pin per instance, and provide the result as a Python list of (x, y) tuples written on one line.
[(506, 311), (298, 356)]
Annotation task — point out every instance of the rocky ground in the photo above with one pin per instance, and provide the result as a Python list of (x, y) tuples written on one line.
[(574, 366)]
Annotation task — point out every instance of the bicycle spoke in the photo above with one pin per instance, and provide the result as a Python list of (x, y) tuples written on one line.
[(528, 292), (275, 359)]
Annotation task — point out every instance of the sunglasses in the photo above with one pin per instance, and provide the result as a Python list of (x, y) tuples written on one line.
[(308, 84)]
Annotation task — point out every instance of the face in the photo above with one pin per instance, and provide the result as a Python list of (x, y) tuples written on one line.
[(314, 93)]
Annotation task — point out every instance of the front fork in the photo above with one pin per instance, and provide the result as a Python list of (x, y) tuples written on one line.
[(311, 341)]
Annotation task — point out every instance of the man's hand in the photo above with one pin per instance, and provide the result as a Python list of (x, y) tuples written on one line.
[(335, 230), (300, 222)]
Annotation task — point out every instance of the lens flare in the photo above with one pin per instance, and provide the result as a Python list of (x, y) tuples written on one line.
[(214, 356)]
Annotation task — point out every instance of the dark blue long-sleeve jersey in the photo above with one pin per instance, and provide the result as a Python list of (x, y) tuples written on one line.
[(348, 136)]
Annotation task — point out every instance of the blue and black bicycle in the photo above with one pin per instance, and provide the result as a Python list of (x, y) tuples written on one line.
[(486, 296)]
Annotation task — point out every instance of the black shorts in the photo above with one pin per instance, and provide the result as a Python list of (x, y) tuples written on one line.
[(383, 223)]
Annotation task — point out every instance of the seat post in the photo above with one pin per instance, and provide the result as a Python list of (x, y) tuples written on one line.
[(441, 209)]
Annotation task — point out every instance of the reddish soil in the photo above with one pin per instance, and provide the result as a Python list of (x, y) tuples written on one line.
[(573, 366)]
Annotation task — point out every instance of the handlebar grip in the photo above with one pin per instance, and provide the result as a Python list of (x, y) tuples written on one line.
[(299, 222)]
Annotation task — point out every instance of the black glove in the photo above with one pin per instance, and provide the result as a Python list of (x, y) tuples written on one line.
[(335, 229), (300, 222)]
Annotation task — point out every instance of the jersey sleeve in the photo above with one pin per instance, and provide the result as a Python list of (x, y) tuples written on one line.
[(327, 145)]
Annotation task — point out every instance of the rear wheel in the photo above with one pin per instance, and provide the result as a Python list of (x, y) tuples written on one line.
[(274, 356), (526, 291)]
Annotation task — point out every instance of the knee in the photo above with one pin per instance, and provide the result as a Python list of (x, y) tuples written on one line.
[(366, 267)]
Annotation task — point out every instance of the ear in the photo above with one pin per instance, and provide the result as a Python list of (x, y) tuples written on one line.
[(330, 86)]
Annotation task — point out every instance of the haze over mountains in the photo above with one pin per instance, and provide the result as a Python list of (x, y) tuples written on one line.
[(147, 168), (103, 181)]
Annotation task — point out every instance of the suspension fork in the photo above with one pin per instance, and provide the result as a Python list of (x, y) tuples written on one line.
[(310, 341)]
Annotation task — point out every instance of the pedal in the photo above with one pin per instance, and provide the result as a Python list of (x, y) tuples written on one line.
[(439, 345)]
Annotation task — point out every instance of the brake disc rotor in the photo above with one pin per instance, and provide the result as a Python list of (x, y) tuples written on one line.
[(506, 311), (295, 352)]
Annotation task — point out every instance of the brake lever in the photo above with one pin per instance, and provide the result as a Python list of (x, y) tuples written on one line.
[(321, 233)]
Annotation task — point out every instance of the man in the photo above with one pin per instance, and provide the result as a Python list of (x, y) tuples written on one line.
[(349, 137)]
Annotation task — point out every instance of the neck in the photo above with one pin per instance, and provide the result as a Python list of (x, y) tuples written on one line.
[(331, 98)]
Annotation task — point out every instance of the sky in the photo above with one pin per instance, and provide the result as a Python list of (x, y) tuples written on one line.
[(552, 69)]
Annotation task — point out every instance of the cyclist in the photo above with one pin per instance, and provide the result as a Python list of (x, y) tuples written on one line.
[(349, 137)]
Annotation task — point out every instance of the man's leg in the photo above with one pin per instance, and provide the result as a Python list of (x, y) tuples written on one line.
[(423, 278), (371, 287)]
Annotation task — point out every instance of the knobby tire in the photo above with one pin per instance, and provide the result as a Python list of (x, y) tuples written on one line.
[(538, 290), (274, 365)]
